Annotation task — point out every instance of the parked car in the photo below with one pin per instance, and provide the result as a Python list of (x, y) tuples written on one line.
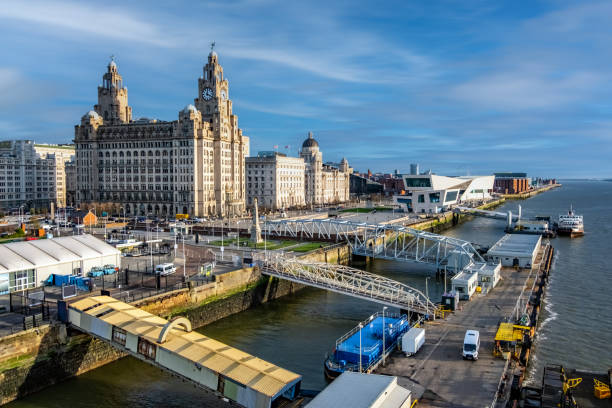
[(165, 269), (471, 344)]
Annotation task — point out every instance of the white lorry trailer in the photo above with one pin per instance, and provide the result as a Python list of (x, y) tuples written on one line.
[(412, 340)]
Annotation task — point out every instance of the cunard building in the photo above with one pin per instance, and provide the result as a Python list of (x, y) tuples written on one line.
[(193, 165)]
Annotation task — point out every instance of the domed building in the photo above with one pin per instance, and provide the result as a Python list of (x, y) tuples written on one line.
[(324, 184), (193, 165)]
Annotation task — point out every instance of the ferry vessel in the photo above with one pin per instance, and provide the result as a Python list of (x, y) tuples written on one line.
[(369, 335), (570, 224)]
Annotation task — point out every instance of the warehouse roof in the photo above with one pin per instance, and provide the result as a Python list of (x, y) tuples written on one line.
[(357, 390), (515, 244), (17, 256), (252, 372)]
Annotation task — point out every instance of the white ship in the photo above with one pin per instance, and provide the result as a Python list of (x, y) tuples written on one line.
[(570, 224)]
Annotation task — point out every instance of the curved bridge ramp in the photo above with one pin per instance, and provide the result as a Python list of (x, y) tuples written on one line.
[(348, 281)]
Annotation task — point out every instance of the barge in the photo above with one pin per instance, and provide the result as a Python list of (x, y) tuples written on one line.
[(361, 349)]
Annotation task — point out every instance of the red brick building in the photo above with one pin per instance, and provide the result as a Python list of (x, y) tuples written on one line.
[(511, 183)]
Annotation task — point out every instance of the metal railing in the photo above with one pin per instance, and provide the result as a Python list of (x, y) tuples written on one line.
[(387, 241), (346, 280)]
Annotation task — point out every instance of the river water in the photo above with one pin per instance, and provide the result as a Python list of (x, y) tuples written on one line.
[(297, 331)]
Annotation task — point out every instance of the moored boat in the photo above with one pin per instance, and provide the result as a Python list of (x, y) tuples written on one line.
[(363, 345), (571, 224)]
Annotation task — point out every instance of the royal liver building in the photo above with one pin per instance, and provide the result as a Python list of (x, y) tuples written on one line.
[(193, 165)]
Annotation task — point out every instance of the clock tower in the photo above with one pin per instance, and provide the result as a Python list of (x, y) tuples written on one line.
[(230, 146), (213, 90)]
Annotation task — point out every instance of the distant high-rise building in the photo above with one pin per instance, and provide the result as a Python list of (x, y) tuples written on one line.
[(32, 175), (62, 154), (414, 169)]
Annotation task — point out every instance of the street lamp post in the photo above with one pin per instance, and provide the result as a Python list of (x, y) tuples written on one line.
[(427, 292), (360, 327), (383, 337)]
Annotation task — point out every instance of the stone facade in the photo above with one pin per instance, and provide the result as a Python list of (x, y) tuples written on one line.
[(38, 358), (71, 182), (32, 175), (194, 165), (325, 184), (277, 181)]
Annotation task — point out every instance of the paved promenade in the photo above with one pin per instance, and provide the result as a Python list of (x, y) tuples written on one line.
[(437, 374)]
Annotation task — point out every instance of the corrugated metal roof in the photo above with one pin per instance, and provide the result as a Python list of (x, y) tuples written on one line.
[(518, 244), (16, 256), (245, 369)]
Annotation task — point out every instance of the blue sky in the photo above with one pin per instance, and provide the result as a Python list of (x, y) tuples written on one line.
[(461, 87)]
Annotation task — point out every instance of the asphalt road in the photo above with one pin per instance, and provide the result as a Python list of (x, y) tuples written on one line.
[(437, 374)]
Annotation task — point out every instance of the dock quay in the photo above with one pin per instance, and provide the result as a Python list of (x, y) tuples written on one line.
[(439, 377), (530, 193)]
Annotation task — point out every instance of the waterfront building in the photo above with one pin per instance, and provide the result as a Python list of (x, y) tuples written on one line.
[(32, 175), (362, 186), (324, 184), (193, 165), (275, 180), (511, 183), (430, 193), (29, 264), (62, 154), (518, 250)]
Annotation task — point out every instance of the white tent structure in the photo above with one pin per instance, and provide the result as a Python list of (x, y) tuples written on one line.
[(27, 264)]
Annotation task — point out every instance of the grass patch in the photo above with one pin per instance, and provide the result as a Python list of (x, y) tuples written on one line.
[(182, 310), (272, 244), (365, 210), (309, 246), (17, 361)]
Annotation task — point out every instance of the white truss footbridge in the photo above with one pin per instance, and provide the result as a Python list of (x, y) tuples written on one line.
[(346, 280), (386, 241)]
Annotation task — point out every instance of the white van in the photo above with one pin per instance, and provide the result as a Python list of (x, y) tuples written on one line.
[(165, 269), (471, 344)]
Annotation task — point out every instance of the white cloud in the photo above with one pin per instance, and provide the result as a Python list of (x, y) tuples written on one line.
[(103, 21)]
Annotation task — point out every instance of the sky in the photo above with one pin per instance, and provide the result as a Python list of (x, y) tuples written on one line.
[(460, 87)]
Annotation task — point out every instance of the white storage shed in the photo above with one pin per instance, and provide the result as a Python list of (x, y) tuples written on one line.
[(488, 273), (516, 250), (465, 284), (358, 390)]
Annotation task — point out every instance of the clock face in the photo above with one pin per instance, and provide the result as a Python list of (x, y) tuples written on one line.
[(223, 95), (207, 94)]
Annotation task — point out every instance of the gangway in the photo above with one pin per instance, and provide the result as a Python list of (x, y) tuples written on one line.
[(386, 241), (348, 281), (173, 347)]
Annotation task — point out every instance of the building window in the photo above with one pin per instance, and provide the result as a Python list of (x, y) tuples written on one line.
[(421, 198), (119, 336), (146, 348)]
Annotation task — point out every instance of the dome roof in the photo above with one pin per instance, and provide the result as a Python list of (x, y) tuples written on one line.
[(92, 114), (212, 54), (310, 142), (112, 64), (189, 108)]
